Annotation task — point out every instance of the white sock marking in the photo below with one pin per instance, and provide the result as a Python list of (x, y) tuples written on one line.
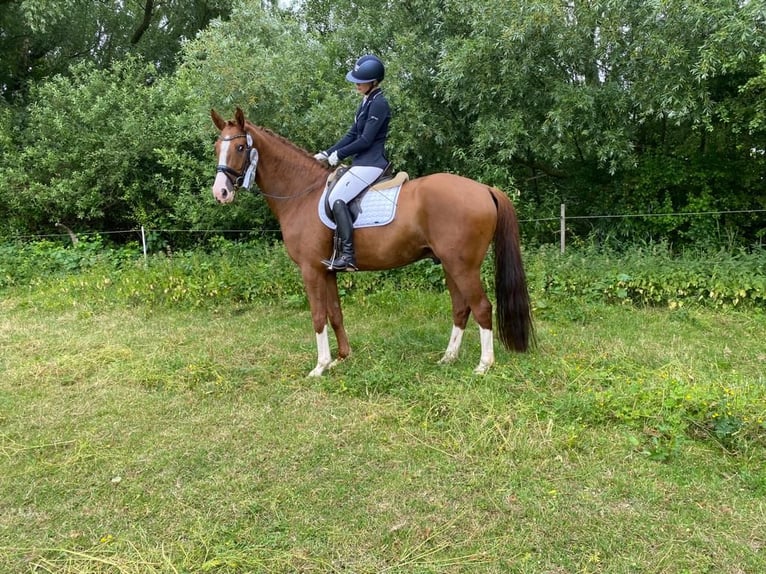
[(487, 351), (323, 354), (456, 338)]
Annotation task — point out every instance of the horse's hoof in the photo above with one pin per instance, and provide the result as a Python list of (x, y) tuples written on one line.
[(447, 359), (482, 369), (320, 369)]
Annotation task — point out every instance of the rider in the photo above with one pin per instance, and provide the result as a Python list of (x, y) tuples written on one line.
[(365, 143)]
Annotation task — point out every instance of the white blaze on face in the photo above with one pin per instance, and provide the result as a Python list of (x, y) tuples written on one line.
[(223, 190)]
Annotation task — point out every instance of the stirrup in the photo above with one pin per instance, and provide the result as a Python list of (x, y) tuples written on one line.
[(340, 264)]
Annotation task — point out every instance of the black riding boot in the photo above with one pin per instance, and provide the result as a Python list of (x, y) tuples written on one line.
[(345, 261)]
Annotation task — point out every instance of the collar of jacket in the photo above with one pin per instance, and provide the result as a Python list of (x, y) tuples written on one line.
[(376, 91)]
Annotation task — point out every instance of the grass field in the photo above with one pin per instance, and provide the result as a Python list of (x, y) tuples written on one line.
[(138, 439)]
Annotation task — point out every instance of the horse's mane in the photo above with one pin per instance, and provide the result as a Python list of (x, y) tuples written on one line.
[(303, 158)]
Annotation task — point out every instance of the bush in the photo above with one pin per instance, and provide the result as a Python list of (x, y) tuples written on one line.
[(222, 270), (655, 276)]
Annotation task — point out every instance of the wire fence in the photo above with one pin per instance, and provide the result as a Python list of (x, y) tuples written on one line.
[(141, 232), (562, 218)]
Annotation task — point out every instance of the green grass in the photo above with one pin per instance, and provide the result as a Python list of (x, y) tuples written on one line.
[(138, 438)]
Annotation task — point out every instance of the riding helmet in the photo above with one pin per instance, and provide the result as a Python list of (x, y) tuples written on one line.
[(368, 68)]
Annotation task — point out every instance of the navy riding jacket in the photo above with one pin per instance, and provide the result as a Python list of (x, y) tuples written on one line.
[(366, 138)]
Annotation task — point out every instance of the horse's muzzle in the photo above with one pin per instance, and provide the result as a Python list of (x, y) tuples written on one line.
[(223, 191)]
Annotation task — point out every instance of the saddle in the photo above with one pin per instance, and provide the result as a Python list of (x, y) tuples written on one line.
[(387, 179)]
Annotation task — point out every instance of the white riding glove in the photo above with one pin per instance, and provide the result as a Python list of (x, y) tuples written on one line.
[(333, 159), (321, 156)]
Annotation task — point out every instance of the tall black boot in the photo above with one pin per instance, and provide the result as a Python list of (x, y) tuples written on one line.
[(346, 261)]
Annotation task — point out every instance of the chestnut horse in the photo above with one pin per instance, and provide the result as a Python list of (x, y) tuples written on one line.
[(443, 216)]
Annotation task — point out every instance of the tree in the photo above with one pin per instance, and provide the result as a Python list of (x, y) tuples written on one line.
[(611, 107), (410, 36), (579, 97), (41, 38), (85, 148), (113, 148)]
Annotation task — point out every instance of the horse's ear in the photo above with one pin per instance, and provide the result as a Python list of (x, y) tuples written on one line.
[(217, 119), (239, 115)]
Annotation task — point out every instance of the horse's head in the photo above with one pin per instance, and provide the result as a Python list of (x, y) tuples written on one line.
[(237, 158)]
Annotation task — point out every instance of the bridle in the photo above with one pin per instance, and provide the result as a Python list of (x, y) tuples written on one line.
[(244, 177)]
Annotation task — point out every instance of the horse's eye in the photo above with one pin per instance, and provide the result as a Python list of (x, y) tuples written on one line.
[(240, 148)]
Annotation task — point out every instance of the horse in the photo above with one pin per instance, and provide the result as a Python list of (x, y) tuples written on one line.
[(443, 216)]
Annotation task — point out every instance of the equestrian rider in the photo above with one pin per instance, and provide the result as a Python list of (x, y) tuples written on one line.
[(365, 143)]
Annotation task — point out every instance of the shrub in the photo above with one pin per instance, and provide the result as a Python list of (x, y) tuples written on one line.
[(222, 270)]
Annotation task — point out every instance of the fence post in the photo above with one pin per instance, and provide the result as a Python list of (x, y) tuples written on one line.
[(143, 244), (563, 227)]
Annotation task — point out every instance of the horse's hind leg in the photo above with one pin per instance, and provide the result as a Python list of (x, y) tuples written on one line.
[(460, 313), (468, 296)]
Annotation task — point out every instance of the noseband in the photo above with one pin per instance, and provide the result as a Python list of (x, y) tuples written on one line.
[(244, 177)]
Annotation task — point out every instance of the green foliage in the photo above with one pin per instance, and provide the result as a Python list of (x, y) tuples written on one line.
[(238, 272), (45, 37), (88, 151), (112, 151), (755, 89), (23, 263), (611, 108), (258, 61), (656, 277)]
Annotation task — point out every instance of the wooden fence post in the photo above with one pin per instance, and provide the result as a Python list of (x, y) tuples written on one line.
[(143, 244), (563, 227)]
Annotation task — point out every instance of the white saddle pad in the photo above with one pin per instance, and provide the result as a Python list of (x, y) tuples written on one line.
[(378, 207)]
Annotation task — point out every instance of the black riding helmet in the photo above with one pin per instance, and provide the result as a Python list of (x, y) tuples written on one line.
[(368, 68)]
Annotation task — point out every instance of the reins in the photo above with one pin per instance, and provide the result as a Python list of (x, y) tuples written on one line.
[(296, 196)]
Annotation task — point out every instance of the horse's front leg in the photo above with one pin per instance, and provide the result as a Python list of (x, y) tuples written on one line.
[(335, 314), (322, 292), (324, 359), (316, 291)]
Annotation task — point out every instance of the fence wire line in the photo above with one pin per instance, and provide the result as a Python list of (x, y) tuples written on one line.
[(676, 214), (147, 230), (264, 231)]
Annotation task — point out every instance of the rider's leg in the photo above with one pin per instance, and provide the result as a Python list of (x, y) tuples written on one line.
[(353, 182), (346, 261)]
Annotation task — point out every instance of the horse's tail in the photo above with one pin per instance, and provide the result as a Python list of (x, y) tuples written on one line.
[(514, 314)]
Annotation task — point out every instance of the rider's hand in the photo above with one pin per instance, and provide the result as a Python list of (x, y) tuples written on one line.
[(321, 156), (333, 159)]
